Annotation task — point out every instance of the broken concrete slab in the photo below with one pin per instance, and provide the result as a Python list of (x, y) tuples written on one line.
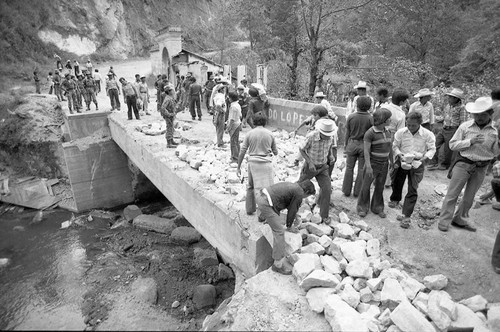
[(154, 223), (305, 265), (325, 241), (316, 297), (373, 247), (411, 287), (353, 250), (185, 235), (319, 278), (436, 282), (365, 295), (374, 284), (420, 302), (342, 317), (319, 229), (494, 318), (344, 231), (205, 257), (466, 318), (350, 295), (359, 268), (438, 316), (335, 251), (392, 293), (313, 248), (475, 303), (344, 218), (330, 265), (407, 318)]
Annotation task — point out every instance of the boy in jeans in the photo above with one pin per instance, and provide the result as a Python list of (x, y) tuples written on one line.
[(234, 126)]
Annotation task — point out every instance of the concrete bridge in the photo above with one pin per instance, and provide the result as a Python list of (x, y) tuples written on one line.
[(98, 157)]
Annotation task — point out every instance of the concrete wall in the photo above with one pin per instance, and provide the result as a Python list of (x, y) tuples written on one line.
[(99, 174), (86, 124), (289, 114)]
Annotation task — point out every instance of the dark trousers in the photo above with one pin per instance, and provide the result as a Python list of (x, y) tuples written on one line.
[(195, 101), (115, 100), (98, 86), (377, 201), (443, 140), (275, 222), (132, 105), (219, 127), (495, 256), (235, 144), (169, 133), (355, 153), (208, 94), (325, 186), (37, 87), (415, 176)]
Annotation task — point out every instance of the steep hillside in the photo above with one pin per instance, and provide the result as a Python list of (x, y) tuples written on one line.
[(33, 30)]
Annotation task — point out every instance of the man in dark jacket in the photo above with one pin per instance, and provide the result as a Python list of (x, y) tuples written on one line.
[(273, 199)]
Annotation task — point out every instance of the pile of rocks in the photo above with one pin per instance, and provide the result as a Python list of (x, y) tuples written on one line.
[(341, 269)]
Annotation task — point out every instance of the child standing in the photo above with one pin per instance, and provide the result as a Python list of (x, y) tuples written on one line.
[(378, 154), (234, 126)]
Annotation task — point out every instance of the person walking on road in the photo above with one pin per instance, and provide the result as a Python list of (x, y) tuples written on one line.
[(234, 126), (89, 94), (194, 93), (271, 201), (356, 126), (69, 87), (317, 151), (424, 106), (168, 111), (130, 95), (144, 93), (477, 144), (218, 104), (113, 92), (261, 146), (97, 79), (209, 86), (412, 146), (454, 115)]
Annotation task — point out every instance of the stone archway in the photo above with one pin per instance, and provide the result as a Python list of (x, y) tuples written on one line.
[(165, 62)]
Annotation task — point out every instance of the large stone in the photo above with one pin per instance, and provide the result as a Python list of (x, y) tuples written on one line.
[(350, 296), (344, 218), (311, 238), (436, 282), (373, 311), (374, 284), (154, 223), (145, 290), (359, 283), (204, 296), (494, 318), (293, 242), (365, 236), (344, 231), (475, 303), (420, 302), (385, 317), (225, 272), (392, 293), (330, 265), (438, 316), (393, 328), (391, 273), (365, 295), (411, 287), (205, 257), (313, 248), (319, 278), (466, 318), (361, 224), (185, 235), (335, 251), (447, 305), (319, 229), (131, 211), (343, 317), (373, 247), (359, 268), (381, 265), (353, 250), (325, 241), (305, 265), (407, 318), (316, 298)]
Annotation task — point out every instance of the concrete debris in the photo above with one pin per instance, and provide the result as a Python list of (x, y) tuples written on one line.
[(365, 295), (475, 303), (145, 290), (205, 257), (436, 282), (313, 248), (319, 230), (359, 283), (176, 304), (392, 293), (311, 238), (335, 251), (344, 231), (393, 328), (420, 302), (316, 297), (374, 284), (362, 225), (344, 218), (350, 296), (385, 318), (330, 265), (494, 318), (204, 296), (325, 241), (154, 223), (411, 287), (225, 272), (131, 211), (365, 236), (407, 318), (391, 273), (353, 250), (438, 316), (305, 265), (373, 247), (185, 235), (466, 318), (316, 218), (359, 268), (343, 317), (319, 278)]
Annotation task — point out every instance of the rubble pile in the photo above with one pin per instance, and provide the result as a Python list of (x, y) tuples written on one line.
[(341, 269)]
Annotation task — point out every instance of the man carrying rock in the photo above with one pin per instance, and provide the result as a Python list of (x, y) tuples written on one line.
[(167, 111), (261, 146), (412, 146), (318, 154), (270, 201), (476, 142)]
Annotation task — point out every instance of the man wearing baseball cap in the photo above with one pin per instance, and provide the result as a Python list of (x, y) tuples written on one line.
[(454, 115), (476, 142), (318, 154)]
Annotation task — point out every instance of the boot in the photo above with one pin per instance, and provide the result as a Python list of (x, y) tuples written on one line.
[(171, 143)]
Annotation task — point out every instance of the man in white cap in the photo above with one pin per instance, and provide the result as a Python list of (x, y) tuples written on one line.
[(454, 115), (476, 142), (144, 94), (318, 152), (362, 89), (321, 99), (424, 107)]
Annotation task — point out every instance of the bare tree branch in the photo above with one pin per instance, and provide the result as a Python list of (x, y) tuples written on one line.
[(346, 9)]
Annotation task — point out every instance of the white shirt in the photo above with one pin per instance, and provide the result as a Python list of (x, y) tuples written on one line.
[(398, 117), (423, 141)]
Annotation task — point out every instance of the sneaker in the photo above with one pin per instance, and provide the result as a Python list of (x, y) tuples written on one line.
[(193, 118), (467, 227), (496, 206), (382, 214), (393, 204), (199, 119), (284, 269), (261, 219), (442, 228), (405, 223), (362, 214)]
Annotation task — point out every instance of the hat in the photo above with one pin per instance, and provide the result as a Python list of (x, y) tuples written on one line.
[(241, 87), (326, 127), (109, 74), (423, 93), (361, 85), (481, 105), (224, 80), (456, 93), (143, 76), (320, 94), (168, 87)]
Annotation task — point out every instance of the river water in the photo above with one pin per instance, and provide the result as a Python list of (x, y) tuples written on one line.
[(42, 287)]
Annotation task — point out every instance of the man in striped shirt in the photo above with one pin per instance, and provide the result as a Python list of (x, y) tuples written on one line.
[(476, 142)]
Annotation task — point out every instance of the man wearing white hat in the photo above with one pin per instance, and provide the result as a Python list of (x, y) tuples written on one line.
[(424, 107), (318, 154), (321, 99), (476, 142), (362, 89), (144, 93), (454, 115)]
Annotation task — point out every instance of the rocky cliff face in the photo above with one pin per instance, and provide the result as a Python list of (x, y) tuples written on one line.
[(108, 28)]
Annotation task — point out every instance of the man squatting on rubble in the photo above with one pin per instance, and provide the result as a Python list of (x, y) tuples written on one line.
[(270, 201)]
